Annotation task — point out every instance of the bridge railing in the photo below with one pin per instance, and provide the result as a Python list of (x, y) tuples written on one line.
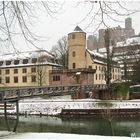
[(25, 92)]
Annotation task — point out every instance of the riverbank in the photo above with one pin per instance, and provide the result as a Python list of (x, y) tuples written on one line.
[(64, 105)]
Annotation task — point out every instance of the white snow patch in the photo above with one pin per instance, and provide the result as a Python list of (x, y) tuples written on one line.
[(61, 136), (54, 105)]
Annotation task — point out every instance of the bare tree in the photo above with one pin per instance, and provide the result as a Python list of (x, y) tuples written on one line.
[(42, 68), (100, 12), (17, 18), (136, 70), (109, 45), (60, 51), (127, 55)]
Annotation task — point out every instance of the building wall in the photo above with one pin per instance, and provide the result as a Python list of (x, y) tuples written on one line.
[(70, 78), (99, 76), (28, 74), (89, 60)]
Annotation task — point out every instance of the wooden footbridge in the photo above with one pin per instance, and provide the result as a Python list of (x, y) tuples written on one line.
[(18, 93)]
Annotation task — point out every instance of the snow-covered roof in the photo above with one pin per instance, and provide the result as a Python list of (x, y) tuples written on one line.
[(96, 53), (103, 50), (27, 58), (135, 86), (129, 42), (97, 57), (23, 55)]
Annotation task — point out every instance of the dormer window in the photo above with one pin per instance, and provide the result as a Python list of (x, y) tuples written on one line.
[(1, 63), (25, 61), (8, 62), (16, 62), (56, 61), (52, 60), (34, 60)]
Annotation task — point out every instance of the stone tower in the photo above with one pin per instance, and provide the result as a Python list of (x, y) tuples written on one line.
[(77, 49)]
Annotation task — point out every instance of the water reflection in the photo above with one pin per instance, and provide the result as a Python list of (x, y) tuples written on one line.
[(76, 125)]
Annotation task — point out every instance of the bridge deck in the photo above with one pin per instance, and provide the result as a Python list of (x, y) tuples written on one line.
[(18, 93)]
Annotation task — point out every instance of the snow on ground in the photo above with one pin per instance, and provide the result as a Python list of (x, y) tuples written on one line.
[(60, 136), (55, 105), (5, 133)]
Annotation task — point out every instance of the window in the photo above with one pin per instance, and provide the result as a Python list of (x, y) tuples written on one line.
[(7, 79), (90, 67), (102, 68), (0, 71), (33, 78), (7, 71), (96, 67), (57, 62), (24, 79), (25, 61), (113, 70), (1, 63), (96, 76), (15, 71), (24, 70), (8, 62), (119, 70), (0, 80), (113, 76), (34, 60), (73, 36), (16, 62), (73, 65), (99, 76), (15, 79), (73, 54), (33, 69), (56, 78), (52, 60), (102, 77)]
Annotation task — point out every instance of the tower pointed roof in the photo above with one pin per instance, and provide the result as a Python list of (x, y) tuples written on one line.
[(78, 29)]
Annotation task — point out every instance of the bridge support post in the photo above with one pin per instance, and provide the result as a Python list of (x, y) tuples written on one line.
[(6, 117), (17, 116)]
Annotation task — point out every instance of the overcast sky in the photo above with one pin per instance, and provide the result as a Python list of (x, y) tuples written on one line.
[(66, 20)]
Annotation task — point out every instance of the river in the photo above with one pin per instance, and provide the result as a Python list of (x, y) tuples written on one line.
[(76, 125)]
